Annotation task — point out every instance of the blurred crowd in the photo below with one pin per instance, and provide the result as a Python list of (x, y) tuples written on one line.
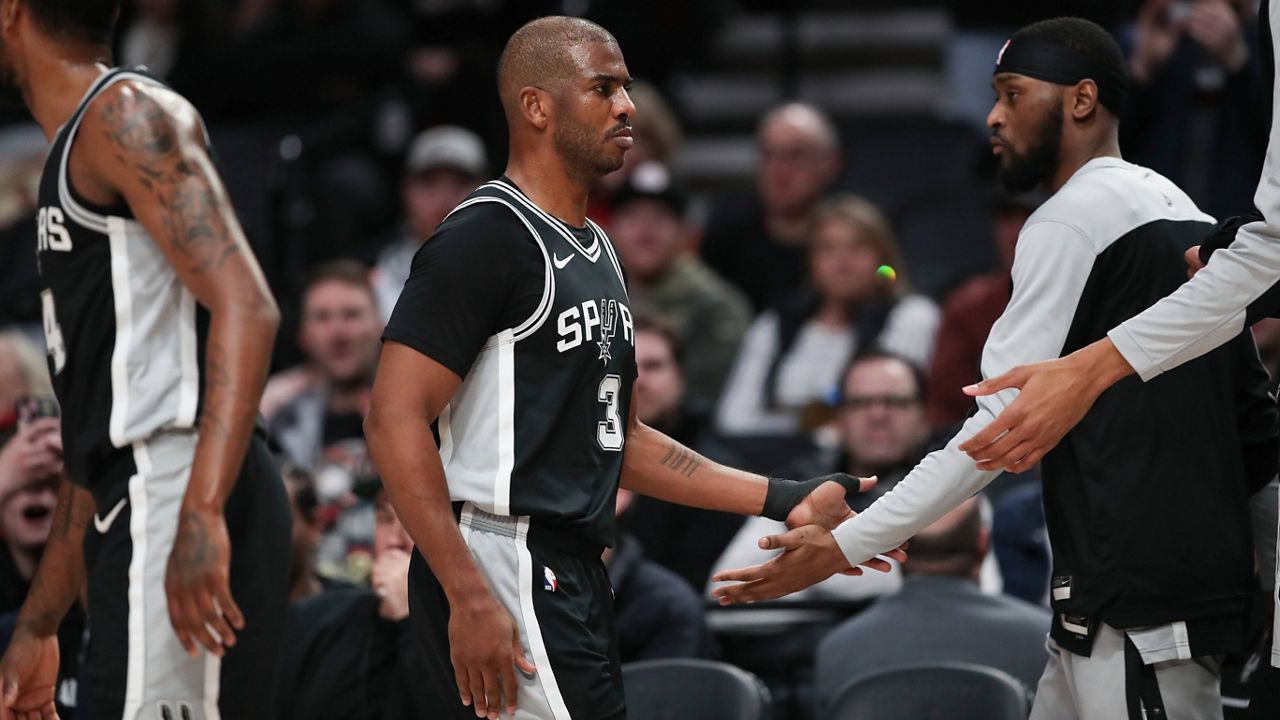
[(813, 320)]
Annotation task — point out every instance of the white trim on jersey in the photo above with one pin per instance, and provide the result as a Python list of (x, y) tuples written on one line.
[(135, 673), (446, 434), (543, 311), (506, 351), (603, 238), (537, 646), (82, 215), (189, 364), (122, 294), (592, 253)]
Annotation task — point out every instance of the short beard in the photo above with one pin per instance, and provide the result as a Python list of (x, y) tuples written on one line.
[(1024, 173), (583, 152)]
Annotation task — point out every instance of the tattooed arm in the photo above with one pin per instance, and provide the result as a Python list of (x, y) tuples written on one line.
[(655, 465), (29, 669), (145, 145)]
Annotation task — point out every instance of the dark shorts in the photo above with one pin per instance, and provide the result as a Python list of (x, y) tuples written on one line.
[(134, 666), (562, 603)]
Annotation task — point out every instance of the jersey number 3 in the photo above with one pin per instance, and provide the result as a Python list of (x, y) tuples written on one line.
[(609, 433)]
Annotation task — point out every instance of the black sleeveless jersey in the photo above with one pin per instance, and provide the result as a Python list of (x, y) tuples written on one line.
[(124, 337), (538, 426)]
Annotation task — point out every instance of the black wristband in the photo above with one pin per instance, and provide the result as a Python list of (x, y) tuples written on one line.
[(783, 495)]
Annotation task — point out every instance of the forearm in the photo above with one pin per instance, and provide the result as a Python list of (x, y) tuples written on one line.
[(657, 466), (60, 575), (403, 449), (236, 361)]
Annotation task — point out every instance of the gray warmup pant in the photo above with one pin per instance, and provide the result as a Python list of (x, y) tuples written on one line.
[(1103, 686)]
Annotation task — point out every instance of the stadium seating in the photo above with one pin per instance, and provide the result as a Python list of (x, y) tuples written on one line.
[(684, 689), (941, 691)]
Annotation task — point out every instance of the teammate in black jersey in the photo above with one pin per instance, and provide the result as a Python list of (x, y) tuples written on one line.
[(159, 327), (515, 333)]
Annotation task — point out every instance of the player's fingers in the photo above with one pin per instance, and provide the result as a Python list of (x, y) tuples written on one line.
[(1007, 449), (976, 446), (866, 483), (1011, 379), (747, 574), (518, 656), (509, 688), (784, 541), (897, 554), (478, 702), (854, 571), (229, 608), (493, 690), (878, 565), (179, 619), (212, 621), (205, 638), (464, 684), (50, 712)]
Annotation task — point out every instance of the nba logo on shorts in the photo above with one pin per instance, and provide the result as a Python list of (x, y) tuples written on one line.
[(549, 580)]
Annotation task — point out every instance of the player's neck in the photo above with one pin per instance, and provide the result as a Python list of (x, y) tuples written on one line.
[(551, 187), (1074, 156), (57, 82)]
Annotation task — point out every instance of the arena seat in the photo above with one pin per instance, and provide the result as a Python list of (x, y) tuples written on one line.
[(681, 689)]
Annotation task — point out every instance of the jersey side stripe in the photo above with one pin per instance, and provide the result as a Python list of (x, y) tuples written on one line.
[(539, 316), (592, 253), (122, 294), (506, 422)]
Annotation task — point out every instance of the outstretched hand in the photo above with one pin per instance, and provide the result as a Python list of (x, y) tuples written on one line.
[(29, 675), (810, 555), (826, 506)]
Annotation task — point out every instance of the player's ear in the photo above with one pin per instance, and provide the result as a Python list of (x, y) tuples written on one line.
[(8, 14), (535, 105), (1084, 99)]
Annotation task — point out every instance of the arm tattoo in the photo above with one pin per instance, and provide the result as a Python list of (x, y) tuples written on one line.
[(192, 554), (143, 137), (681, 459)]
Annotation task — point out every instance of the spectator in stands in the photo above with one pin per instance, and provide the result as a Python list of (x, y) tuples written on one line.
[(349, 653), (967, 316), (793, 356), (1197, 86), (758, 243), (30, 466), (940, 614), (24, 149), (658, 614), (682, 539), (340, 338), (30, 471), (708, 314), (307, 528), (443, 166)]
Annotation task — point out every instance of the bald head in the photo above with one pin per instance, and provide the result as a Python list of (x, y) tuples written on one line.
[(803, 121), (955, 544), (542, 54)]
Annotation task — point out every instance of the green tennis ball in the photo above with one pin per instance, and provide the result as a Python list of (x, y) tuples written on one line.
[(887, 273)]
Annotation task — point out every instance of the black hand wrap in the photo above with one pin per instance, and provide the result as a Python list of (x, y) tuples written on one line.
[(1225, 233), (783, 495)]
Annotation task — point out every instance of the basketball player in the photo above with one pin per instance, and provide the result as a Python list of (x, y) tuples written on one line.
[(1147, 501), (515, 332), (159, 327)]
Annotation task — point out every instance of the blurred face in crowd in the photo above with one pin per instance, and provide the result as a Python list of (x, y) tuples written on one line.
[(340, 331), (843, 262), (1026, 130), (798, 160), (593, 112), (882, 420), (648, 235), (27, 515), (430, 195), (388, 533), (659, 385), (12, 384)]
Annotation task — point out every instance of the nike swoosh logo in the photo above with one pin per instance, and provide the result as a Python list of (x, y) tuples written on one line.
[(104, 524), (561, 263)]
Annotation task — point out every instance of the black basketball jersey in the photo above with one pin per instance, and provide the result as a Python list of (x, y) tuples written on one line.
[(124, 337), (538, 425)]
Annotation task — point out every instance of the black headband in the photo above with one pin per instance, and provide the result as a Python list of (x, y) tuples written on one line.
[(1059, 65)]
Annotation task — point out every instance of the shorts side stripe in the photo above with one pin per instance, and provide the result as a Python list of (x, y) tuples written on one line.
[(135, 674), (541, 660)]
